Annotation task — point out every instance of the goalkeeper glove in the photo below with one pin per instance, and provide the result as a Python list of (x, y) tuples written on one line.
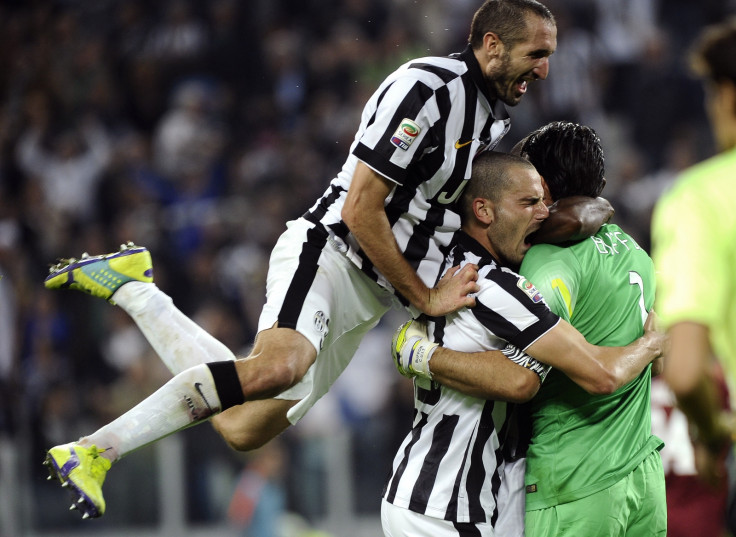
[(412, 350)]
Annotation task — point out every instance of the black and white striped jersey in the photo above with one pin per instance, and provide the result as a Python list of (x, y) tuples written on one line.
[(451, 464), (420, 129)]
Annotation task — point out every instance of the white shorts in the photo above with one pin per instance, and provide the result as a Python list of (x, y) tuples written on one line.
[(400, 522), (512, 500), (315, 289)]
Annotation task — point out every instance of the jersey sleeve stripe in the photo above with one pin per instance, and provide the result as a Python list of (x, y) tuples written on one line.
[(533, 333), (445, 75), (380, 158), (389, 170)]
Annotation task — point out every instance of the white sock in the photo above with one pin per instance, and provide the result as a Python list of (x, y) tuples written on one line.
[(180, 342), (187, 399)]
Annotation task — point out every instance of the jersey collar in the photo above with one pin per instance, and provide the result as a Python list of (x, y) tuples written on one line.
[(498, 110), (469, 244)]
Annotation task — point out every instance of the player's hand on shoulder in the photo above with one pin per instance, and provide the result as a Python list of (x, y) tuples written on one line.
[(454, 291)]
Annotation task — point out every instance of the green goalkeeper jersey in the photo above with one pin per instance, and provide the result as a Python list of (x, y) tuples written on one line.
[(583, 443)]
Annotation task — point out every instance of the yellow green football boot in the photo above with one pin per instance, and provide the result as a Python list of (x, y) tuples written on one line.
[(82, 471), (102, 275)]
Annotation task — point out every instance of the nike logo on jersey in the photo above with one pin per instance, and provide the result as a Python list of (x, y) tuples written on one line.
[(459, 145)]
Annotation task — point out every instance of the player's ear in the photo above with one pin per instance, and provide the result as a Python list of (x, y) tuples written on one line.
[(492, 45), (483, 210)]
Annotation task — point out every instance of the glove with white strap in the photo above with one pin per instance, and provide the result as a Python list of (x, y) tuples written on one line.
[(412, 350)]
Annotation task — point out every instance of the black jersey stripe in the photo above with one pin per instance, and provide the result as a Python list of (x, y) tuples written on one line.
[(443, 74), (417, 247), (410, 107), (533, 333), (503, 328), (428, 474), (429, 396), (452, 507), (318, 212), (467, 529), (464, 154), (303, 277), (366, 154), (494, 321), (372, 119), (416, 433), (477, 470)]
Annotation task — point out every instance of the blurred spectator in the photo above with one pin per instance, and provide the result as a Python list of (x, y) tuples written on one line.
[(258, 503), (8, 314), (626, 28), (188, 139), (69, 170)]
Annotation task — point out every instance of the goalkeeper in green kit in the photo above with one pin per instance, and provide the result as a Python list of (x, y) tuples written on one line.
[(593, 467)]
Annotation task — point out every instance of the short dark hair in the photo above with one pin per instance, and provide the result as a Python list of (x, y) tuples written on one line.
[(713, 54), (569, 157), (505, 18), (490, 178)]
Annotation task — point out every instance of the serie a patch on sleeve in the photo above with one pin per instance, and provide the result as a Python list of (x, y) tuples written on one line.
[(529, 289), (405, 134)]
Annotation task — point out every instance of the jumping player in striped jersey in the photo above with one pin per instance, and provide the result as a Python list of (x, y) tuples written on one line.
[(451, 472), (375, 240)]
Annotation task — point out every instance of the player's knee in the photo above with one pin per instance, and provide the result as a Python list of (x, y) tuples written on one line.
[(275, 377), (277, 365)]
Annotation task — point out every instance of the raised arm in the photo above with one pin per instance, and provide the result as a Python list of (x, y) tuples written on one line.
[(572, 219), (365, 216)]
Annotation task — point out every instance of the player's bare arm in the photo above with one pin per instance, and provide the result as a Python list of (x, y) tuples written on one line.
[(686, 371), (572, 219), (653, 323), (366, 218), (486, 375), (598, 370)]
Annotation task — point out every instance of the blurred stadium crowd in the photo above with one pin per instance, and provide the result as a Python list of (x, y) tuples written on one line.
[(199, 127)]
